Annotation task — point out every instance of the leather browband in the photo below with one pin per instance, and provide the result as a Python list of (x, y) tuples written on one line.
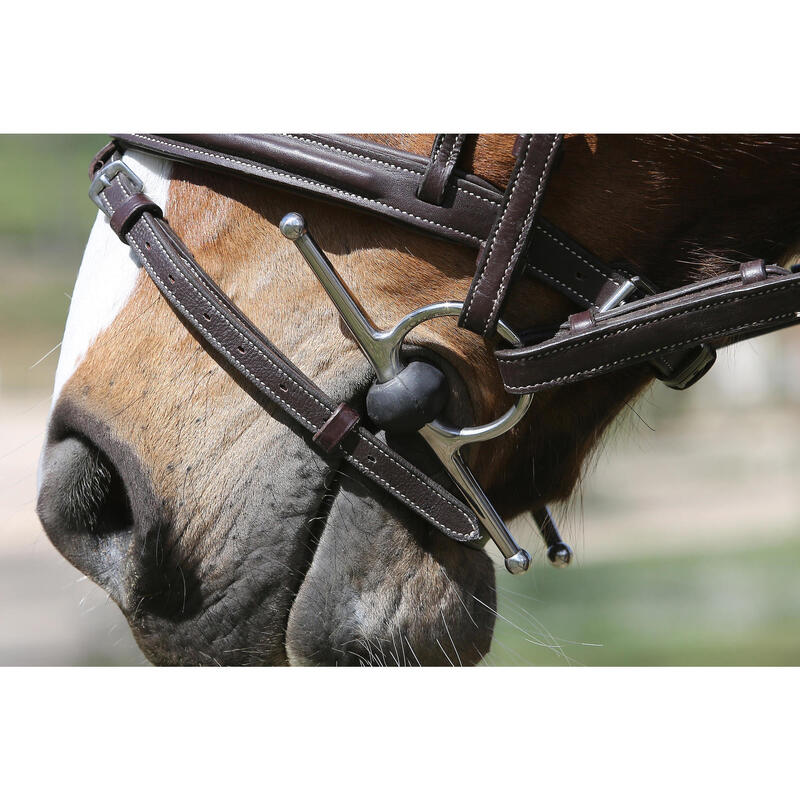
[(386, 182), (203, 307)]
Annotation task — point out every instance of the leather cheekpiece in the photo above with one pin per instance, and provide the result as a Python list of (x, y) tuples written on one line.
[(501, 257)]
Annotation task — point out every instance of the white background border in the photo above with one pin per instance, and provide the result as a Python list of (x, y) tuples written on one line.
[(501, 66)]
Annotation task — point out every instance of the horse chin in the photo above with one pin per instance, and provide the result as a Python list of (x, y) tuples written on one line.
[(385, 589), (381, 588)]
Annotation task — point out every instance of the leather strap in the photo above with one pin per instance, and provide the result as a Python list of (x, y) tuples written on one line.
[(715, 312), (102, 157), (501, 255), (572, 270), (589, 282), (344, 169), (444, 157), (382, 181), (385, 181), (204, 308)]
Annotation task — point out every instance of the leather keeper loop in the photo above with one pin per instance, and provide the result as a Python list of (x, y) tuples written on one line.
[(437, 177), (581, 321), (101, 158), (126, 215), (753, 271), (338, 425)]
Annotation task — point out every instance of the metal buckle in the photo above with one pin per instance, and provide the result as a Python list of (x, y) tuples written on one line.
[(697, 363), (628, 286), (102, 180)]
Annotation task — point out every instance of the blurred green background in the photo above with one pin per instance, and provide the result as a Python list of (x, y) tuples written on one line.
[(686, 531), (45, 217)]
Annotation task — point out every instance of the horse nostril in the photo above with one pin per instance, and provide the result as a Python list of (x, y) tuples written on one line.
[(82, 503)]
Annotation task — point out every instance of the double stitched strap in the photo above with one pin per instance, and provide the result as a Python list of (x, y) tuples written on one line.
[(205, 309), (342, 169), (500, 258), (444, 157), (371, 178), (598, 287), (388, 182), (708, 314), (572, 270)]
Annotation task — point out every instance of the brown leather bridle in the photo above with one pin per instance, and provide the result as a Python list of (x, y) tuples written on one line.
[(623, 318)]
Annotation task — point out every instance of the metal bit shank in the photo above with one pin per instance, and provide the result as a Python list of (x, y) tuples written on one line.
[(383, 350)]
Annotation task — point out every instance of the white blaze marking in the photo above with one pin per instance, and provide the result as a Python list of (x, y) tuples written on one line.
[(107, 275)]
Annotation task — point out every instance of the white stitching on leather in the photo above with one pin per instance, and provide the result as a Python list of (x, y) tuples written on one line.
[(435, 159), (268, 171), (498, 227), (724, 331), (342, 150), (593, 337), (577, 255), (436, 152), (476, 196), (389, 164), (290, 409), (568, 289), (412, 171), (455, 150), (452, 157), (293, 411), (518, 244), (122, 186), (394, 490)]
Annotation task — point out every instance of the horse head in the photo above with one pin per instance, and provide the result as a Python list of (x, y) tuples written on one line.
[(222, 536)]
